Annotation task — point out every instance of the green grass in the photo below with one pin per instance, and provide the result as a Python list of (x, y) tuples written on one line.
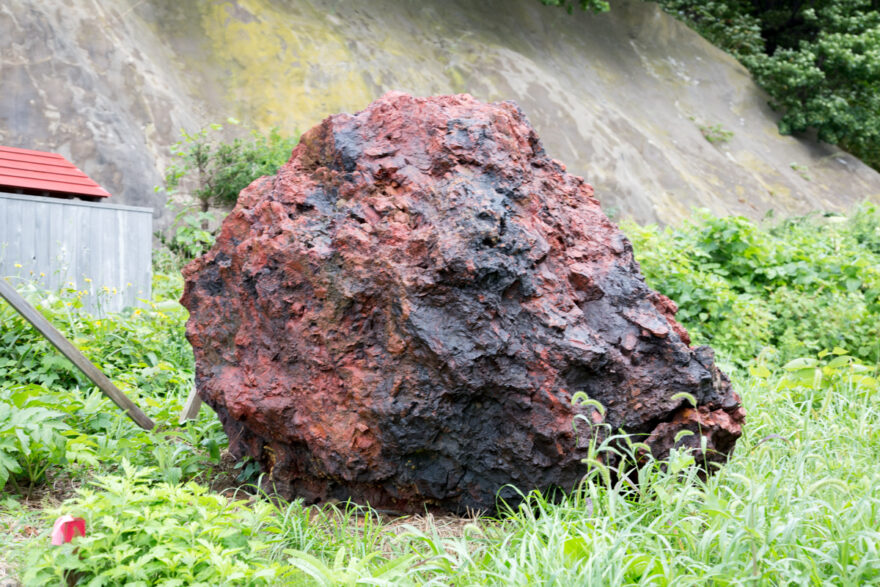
[(799, 502)]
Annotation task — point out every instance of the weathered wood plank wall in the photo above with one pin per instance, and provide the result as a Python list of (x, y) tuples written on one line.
[(98, 248)]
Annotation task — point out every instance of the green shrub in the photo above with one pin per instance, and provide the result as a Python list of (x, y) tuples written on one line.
[(828, 82), (812, 380), (216, 171), (144, 533), (31, 439), (213, 172), (805, 284), (144, 348), (728, 24), (818, 60), (190, 235)]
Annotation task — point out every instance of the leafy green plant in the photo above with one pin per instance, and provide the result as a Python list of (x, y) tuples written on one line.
[(148, 533), (248, 471), (35, 435), (803, 284), (817, 60), (190, 234), (716, 133), (349, 570), (124, 345), (813, 379), (215, 171), (146, 354), (31, 439)]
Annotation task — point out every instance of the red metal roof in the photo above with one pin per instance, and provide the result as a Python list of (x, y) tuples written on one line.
[(44, 172)]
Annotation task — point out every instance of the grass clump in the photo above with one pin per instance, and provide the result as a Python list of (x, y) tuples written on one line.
[(797, 504), (716, 133)]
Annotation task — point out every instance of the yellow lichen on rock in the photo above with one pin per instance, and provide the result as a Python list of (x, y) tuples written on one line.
[(281, 75)]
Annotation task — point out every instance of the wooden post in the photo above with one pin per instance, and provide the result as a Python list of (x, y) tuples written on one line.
[(71, 352), (192, 407)]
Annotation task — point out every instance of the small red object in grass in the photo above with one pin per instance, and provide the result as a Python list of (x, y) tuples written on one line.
[(65, 528)]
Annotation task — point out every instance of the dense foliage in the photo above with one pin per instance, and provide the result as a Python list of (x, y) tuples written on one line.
[(51, 416), (818, 60), (829, 83), (796, 505), (188, 236), (157, 533), (215, 171), (793, 288)]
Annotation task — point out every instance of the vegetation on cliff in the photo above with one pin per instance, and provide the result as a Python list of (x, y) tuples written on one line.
[(819, 61), (211, 171)]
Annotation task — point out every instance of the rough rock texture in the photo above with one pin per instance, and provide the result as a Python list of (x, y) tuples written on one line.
[(402, 315)]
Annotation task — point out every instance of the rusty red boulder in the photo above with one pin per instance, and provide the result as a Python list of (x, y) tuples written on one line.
[(402, 315)]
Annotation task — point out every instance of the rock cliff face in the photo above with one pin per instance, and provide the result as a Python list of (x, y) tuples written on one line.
[(90, 81), (403, 315), (620, 97)]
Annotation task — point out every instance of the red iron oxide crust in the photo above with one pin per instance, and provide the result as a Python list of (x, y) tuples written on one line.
[(402, 315)]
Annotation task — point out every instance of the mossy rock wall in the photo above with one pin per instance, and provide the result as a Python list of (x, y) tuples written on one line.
[(623, 98)]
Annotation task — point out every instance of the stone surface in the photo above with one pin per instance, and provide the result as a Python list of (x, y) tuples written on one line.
[(402, 315), (620, 97)]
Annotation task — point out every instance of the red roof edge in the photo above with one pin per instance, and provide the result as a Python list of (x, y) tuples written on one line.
[(35, 172)]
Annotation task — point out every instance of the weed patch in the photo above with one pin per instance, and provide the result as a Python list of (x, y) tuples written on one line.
[(798, 503)]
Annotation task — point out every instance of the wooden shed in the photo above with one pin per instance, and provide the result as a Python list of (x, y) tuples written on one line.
[(57, 229)]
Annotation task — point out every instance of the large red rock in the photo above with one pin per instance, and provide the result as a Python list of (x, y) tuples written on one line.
[(402, 315)]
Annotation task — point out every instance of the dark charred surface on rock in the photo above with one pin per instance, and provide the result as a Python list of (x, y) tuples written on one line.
[(402, 315)]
